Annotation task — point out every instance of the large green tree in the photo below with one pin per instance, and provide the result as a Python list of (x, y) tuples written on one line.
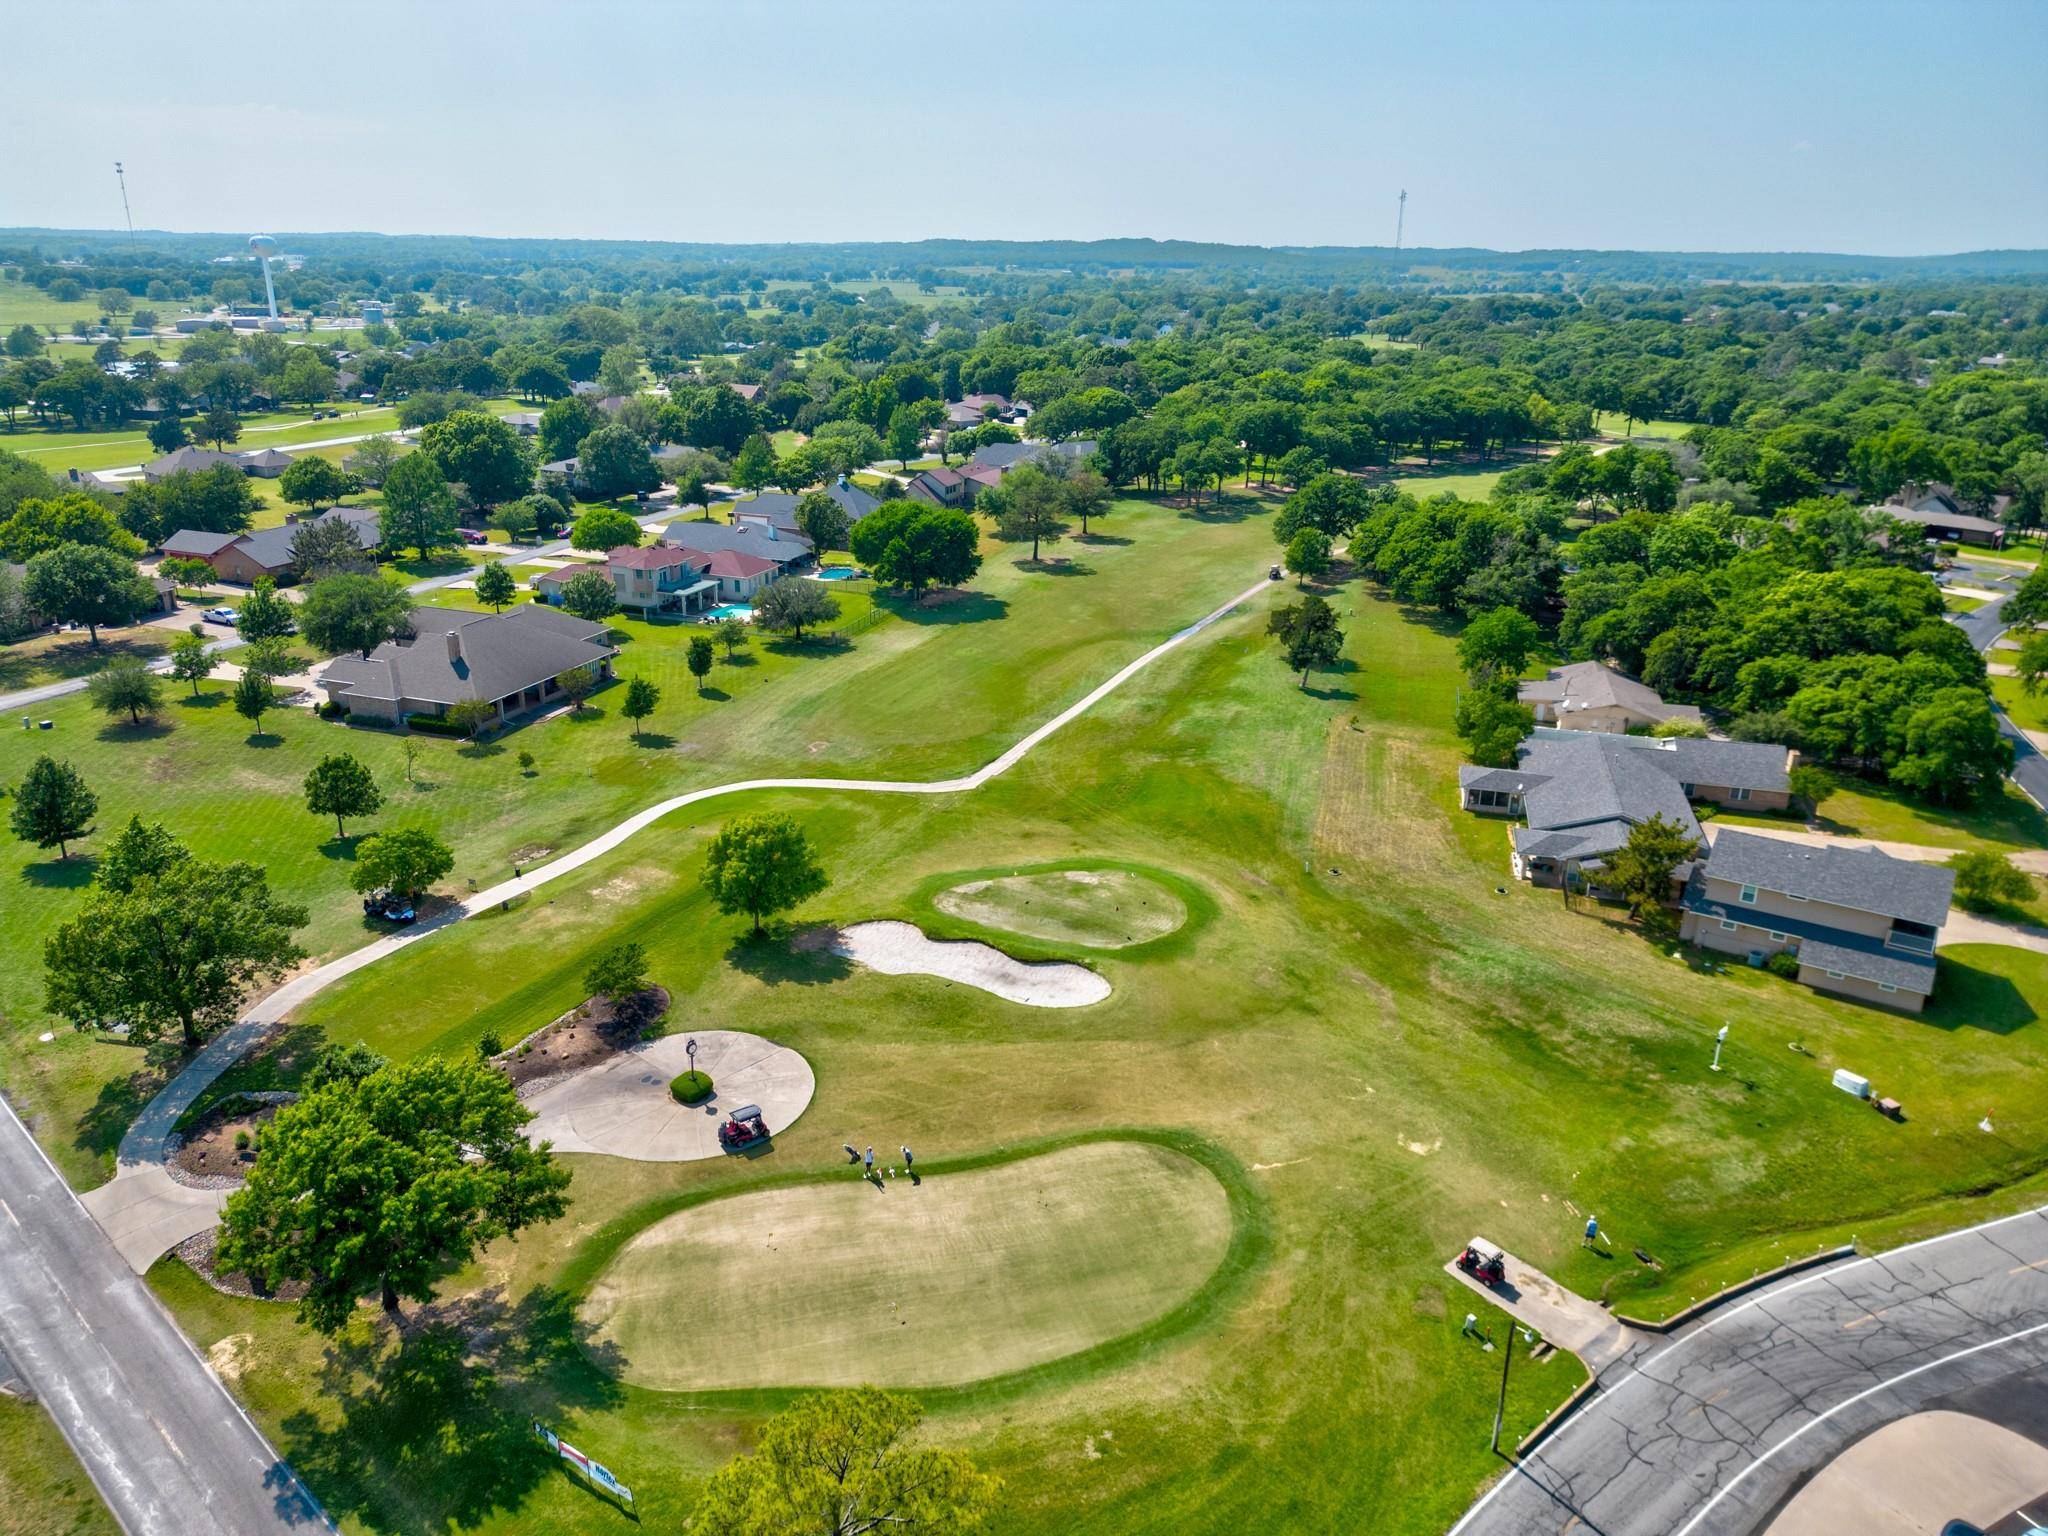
[(614, 461), (761, 865), (1641, 870), (339, 786), (52, 807), (379, 1186), (604, 528), (314, 482), (86, 584), (794, 604), (405, 860), (354, 611), (419, 509), (40, 524), (481, 452), (843, 1464), (176, 951), (908, 544)]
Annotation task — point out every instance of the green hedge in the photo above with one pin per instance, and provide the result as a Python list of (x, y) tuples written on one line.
[(433, 725), (690, 1088)]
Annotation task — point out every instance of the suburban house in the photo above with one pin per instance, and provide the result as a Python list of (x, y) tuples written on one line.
[(953, 487), (744, 391), (191, 457), (269, 463), (243, 557), (758, 541), (654, 578), (777, 509), (1580, 792), (1591, 696), (973, 410), (1004, 457), (525, 423), (1939, 512), (1861, 922), (509, 660)]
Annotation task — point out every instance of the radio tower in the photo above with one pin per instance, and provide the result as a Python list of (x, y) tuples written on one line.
[(1400, 216), (122, 177)]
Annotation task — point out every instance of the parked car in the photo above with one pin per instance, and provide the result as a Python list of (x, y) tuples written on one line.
[(220, 616), (475, 536)]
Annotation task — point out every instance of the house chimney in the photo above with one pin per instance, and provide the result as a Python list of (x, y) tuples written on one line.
[(455, 645)]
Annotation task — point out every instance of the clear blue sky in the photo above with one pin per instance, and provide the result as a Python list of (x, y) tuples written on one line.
[(1894, 128)]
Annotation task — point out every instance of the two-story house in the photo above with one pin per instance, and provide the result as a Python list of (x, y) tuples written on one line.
[(1862, 923)]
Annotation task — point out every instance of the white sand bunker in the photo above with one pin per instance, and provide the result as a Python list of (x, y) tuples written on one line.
[(901, 949)]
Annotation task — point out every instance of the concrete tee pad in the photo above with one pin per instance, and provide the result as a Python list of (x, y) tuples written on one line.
[(1564, 1317), (622, 1107)]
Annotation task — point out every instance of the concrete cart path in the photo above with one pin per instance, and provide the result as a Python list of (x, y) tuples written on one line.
[(1562, 1316), (622, 1107), (149, 1218)]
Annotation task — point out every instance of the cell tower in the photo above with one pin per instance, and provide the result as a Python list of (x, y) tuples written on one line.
[(122, 177), (1400, 216), (262, 247)]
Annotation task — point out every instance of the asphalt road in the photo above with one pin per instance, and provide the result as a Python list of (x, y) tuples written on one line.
[(168, 1449), (1984, 626), (1707, 1432)]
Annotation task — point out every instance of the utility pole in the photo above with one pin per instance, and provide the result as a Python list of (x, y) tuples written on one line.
[(122, 177), (1400, 217), (1500, 1408)]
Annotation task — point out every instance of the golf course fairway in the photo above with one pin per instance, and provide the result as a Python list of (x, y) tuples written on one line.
[(964, 1276)]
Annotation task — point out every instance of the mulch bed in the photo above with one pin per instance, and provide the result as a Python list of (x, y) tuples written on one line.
[(208, 1150), (584, 1036), (198, 1253)]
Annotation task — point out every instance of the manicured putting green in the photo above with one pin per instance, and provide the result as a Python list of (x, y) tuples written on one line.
[(966, 1276), (1101, 908)]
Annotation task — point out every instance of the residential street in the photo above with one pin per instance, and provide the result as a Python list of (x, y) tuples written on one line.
[(1707, 1434), (168, 1449)]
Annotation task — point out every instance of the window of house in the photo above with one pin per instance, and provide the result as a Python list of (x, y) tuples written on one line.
[(1738, 794), (1776, 937), (1789, 896), (1747, 896), (1836, 975), (1885, 986), (1729, 925), (1688, 790)]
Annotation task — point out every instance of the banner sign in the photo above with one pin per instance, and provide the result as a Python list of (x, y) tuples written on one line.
[(596, 1472)]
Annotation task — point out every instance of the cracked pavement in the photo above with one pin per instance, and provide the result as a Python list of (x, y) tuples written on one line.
[(1706, 1433)]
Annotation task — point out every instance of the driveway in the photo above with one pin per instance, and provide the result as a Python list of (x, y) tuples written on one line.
[(622, 1107), (1710, 1432)]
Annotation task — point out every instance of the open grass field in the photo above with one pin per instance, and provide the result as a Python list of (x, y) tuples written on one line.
[(934, 688), (55, 658), (948, 1280), (1393, 1054), (25, 304), (1094, 908), (1610, 424), (2029, 711), (43, 1490)]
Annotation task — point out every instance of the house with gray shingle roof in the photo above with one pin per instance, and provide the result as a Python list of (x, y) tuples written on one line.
[(1862, 923), (777, 509), (1591, 696), (1579, 793), (244, 557), (762, 541), (509, 660)]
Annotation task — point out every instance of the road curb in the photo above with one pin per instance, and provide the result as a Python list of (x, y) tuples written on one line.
[(1741, 1288), (1558, 1415)]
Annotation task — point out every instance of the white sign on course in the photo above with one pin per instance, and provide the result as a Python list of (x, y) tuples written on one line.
[(597, 1472)]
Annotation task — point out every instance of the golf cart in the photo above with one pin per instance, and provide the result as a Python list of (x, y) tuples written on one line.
[(742, 1128), (390, 907), (1483, 1262)]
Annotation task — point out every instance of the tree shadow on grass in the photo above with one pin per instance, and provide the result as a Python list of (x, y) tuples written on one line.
[(69, 874), (1107, 540), (740, 659), (106, 1121), (805, 958), (1343, 695), (202, 701), (264, 741), (1052, 567), (342, 847), (478, 749), (126, 730), (429, 1427), (715, 694), (654, 741), (952, 607)]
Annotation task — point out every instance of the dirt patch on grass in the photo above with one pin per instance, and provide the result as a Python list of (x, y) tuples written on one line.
[(594, 1031)]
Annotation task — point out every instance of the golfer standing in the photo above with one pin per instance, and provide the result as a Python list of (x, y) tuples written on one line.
[(906, 1159), (871, 1159)]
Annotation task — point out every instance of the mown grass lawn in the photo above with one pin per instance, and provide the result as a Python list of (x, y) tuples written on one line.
[(43, 1490), (1861, 808), (1397, 1044), (939, 687)]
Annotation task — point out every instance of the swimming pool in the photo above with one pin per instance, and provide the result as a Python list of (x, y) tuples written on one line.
[(728, 611), (838, 573)]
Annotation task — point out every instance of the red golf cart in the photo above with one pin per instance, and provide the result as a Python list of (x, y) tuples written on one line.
[(1483, 1262), (742, 1128)]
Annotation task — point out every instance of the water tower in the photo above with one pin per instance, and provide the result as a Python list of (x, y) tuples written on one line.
[(262, 247)]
